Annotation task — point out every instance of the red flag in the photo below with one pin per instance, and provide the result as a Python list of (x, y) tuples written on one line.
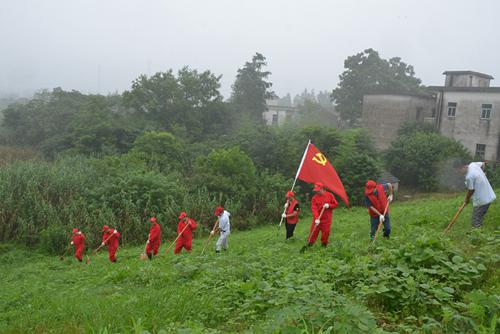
[(316, 168)]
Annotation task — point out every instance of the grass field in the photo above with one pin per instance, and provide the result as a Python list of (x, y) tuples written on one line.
[(415, 282)]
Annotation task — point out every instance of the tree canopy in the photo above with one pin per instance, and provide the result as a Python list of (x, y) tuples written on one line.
[(366, 72), (251, 88)]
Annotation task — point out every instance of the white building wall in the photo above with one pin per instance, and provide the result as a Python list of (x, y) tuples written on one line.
[(467, 125)]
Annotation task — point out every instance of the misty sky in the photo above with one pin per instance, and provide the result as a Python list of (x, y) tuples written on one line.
[(102, 45)]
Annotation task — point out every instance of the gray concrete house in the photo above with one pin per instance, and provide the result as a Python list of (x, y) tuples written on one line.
[(466, 108)]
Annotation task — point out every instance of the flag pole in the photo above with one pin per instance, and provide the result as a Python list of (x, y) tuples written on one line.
[(296, 176)]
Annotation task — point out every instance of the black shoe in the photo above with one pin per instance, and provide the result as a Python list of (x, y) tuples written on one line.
[(324, 245), (150, 256), (217, 251)]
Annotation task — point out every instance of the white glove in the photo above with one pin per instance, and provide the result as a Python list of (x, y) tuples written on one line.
[(390, 198), (115, 231), (326, 205), (212, 232), (102, 243), (283, 215), (286, 205), (316, 222), (72, 242), (147, 242), (381, 218)]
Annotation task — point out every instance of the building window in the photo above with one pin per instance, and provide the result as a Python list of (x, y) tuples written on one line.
[(452, 109), (275, 119), (486, 111), (480, 151)]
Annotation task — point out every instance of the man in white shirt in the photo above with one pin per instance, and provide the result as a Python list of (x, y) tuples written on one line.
[(478, 188), (224, 226)]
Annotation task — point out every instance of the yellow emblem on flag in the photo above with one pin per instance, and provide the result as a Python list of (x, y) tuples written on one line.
[(320, 159)]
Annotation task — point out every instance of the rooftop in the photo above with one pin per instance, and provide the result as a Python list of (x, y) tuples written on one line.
[(482, 75), (465, 89)]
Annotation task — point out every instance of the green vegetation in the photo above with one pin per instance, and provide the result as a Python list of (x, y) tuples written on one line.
[(422, 158), (416, 282)]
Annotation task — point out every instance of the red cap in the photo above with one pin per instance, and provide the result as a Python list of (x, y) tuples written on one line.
[(370, 186), (152, 219), (105, 228), (290, 194), (218, 210), (75, 230), (182, 215), (318, 186)]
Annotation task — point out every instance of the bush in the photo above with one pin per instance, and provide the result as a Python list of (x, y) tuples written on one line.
[(416, 159), (54, 240)]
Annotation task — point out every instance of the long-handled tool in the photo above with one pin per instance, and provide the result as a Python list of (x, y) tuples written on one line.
[(64, 254), (143, 255), (102, 244), (380, 223), (284, 211), (172, 244), (450, 225), (311, 233), (209, 237)]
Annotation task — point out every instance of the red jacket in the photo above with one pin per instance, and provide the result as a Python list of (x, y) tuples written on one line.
[(113, 240), (317, 203), (291, 209), (188, 232), (378, 200), (155, 234), (78, 240)]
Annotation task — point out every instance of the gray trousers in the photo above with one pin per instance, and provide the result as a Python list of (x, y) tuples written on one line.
[(222, 242), (478, 213)]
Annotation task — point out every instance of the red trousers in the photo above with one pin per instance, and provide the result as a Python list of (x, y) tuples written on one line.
[(324, 227), (79, 252), (152, 247), (182, 243), (112, 253)]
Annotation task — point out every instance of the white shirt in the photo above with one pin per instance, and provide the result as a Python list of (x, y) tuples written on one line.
[(224, 223), (476, 180)]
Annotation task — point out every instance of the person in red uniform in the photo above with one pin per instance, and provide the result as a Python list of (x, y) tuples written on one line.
[(186, 238), (110, 238), (322, 199), (78, 240), (291, 214), (154, 240), (376, 200)]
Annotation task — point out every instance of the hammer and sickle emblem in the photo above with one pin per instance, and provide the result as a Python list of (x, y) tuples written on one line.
[(320, 159)]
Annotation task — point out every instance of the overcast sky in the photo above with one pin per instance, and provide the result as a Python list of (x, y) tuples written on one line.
[(102, 45)]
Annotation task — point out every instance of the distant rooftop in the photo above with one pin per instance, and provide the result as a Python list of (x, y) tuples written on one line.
[(482, 75), (465, 89)]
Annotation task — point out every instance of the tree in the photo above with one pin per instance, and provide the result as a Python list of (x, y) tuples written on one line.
[(160, 150), (366, 72), (191, 100), (251, 88)]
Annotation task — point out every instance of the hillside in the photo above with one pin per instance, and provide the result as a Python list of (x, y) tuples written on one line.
[(415, 282)]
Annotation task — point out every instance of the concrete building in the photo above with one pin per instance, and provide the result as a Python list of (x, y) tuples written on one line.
[(466, 109), (276, 115), (384, 113)]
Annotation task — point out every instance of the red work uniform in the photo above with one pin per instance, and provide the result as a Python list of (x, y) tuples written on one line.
[(154, 240), (186, 239), (317, 203), (112, 243), (78, 240), (291, 222)]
